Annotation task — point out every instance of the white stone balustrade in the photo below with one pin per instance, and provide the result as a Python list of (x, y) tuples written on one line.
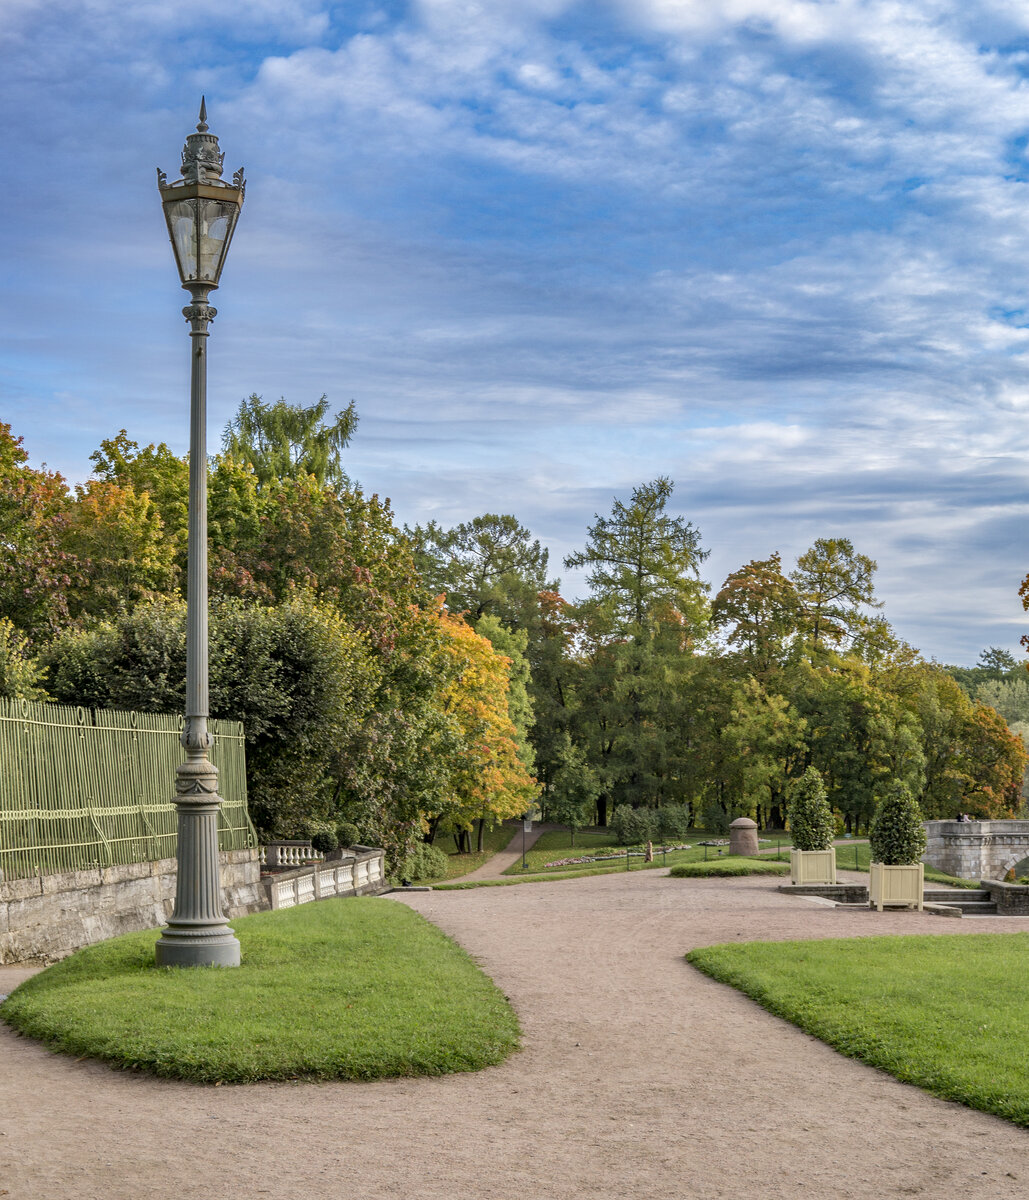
[(352, 875), (289, 854)]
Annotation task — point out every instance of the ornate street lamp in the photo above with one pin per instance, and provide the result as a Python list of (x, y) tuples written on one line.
[(201, 211)]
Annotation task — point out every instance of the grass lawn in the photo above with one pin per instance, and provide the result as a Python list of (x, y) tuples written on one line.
[(858, 856), (944, 1013), (462, 864), (547, 877), (727, 867), (556, 844), (343, 989)]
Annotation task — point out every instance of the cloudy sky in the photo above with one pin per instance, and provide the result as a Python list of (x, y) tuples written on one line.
[(777, 250)]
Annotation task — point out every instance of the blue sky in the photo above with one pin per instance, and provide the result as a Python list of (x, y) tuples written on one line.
[(777, 250)]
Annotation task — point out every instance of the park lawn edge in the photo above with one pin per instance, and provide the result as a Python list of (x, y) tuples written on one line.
[(348, 988), (728, 868), (879, 1043), (760, 868), (549, 877)]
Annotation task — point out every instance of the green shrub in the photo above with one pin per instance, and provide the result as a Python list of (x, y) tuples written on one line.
[(897, 836), (323, 836), (633, 826), (347, 834), (729, 867), (811, 821), (714, 818), (673, 822), (20, 674), (426, 862)]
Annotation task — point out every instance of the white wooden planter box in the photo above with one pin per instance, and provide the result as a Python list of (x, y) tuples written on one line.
[(896, 885), (813, 866)]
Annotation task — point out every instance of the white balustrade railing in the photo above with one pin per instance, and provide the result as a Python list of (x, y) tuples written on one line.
[(346, 877), (289, 854)]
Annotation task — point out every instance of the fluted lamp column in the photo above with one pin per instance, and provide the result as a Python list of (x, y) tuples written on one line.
[(201, 210)]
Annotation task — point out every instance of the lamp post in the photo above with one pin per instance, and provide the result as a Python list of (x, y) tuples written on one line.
[(201, 211)]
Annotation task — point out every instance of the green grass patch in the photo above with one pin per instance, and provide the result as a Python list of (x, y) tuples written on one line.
[(557, 844), (549, 877), (940, 1012), (726, 867), (857, 857), (342, 989), (754, 867)]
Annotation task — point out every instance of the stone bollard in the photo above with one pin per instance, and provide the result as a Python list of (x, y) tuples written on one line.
[(649, 856), (743, 836)]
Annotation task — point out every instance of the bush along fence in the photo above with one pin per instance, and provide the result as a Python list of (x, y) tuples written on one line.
[(91, 788)]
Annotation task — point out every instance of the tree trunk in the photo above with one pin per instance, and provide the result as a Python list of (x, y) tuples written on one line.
[(479, 835), (602, 811)]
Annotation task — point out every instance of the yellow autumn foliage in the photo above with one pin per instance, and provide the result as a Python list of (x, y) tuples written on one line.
[(489, 780)]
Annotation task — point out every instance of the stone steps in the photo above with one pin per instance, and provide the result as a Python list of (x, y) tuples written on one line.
[(970, 902), (949, 902)]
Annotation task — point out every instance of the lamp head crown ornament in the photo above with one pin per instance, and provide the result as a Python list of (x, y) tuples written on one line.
[(201, 208)]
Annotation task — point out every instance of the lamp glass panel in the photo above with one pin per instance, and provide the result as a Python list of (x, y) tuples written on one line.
[(215, 221), (182, 224)]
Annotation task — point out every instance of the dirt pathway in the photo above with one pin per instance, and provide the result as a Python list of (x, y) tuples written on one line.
[(639, 1078)]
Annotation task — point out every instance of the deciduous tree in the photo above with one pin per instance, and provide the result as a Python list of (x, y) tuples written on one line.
[(36, 567)]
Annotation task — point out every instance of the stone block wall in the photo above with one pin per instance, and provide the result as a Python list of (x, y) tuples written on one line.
[(46, 917), (976, 849), (1011, 899)]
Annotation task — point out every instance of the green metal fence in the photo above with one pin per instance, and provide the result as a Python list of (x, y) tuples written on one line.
[(84, 787)]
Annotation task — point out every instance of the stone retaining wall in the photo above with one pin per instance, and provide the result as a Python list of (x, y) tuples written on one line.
[(842, 893), (46, 917), (1011, 899)]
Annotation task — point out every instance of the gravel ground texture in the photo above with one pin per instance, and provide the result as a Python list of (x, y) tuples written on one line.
[(639, 1077)]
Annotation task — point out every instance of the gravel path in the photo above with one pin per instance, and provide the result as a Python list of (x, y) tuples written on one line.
[(639, 1077)]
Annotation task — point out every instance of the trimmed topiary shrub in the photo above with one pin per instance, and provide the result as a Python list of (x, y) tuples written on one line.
[(426, 862), (348, 834), (897, 836), (633, 826), (323, 836), (810, 817)]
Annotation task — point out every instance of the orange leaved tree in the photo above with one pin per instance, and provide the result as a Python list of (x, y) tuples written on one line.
[(488, 781)]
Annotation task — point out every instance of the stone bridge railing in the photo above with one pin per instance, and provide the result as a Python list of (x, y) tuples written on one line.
[(976, 849)]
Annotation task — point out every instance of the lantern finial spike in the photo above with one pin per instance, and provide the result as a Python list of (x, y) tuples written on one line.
[(202, 124)]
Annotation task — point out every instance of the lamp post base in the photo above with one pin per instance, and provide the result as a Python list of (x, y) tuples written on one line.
[(182, 945), (197, 935)]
